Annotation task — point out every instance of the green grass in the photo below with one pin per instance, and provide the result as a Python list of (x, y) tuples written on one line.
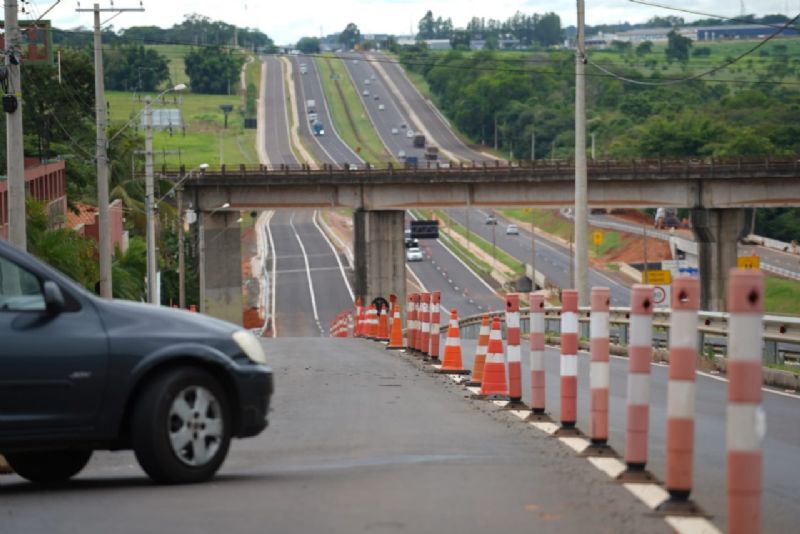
[(204, 129), (784, 367), (511, 263), (781, 296), (174, 55), (356, 130), (467, 257)]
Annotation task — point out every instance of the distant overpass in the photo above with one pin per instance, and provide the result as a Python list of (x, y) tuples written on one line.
[(546, 184), (715, 190)]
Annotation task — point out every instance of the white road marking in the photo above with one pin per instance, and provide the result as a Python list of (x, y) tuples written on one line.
[(610, 466), (335, 255), (575, 443), (650, 494), (274, 276), (308, 274), (691, 525), (545, 426)]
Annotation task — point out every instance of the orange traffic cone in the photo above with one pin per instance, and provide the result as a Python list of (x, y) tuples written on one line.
[(383, 325), (494, 370), (480, 353), (451, 363), (396, 339), (372, 322)]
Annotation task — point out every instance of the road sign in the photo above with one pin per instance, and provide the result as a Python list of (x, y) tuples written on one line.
[(657, 278), (661, 296), (36, 41), (748, 262), (425, 229), (597, 236)]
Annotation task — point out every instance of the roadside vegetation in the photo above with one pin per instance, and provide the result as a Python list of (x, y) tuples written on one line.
[(781, 296)]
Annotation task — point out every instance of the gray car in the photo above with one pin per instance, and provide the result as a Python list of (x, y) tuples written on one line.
[(79, 373)]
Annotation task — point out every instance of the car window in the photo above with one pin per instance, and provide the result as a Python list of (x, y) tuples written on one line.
[(20, 290)]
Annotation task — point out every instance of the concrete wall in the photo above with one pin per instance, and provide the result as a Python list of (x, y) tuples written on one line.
[(221, 266), (379, 251)]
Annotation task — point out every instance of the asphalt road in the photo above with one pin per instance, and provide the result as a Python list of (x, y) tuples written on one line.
[(392, 116), (443, 136), (279, 147), (379, 447), (551, 259), (781, 444), (327, 148), (310, 288)]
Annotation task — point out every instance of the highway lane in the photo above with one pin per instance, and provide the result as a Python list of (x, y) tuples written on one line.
[(328, 148), (382, 447), (781, 443), (443, 136), (551, 259), (391, 116), (279, 146)]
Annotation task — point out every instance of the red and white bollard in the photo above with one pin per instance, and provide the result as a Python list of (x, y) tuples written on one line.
[(436, 299), (536, 339), (513, 354), (359, 313), (425, 324), (638, 399), (569, 362), (599, 373), (680, 396), (412, 322), (746, 423)]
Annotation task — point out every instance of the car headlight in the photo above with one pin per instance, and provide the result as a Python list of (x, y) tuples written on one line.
[(250, 345)]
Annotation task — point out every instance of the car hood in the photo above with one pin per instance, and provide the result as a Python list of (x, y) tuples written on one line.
[(157, 320)]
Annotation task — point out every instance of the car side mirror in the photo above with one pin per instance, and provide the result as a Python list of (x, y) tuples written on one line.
[(53, 298)]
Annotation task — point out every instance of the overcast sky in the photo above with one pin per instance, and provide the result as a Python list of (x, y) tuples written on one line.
[(286, 21)]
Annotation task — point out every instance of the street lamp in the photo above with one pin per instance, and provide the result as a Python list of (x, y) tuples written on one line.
[(149, 192)]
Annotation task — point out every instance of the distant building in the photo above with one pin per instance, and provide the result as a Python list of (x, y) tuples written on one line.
[(744, 31), (85, 223), (46, 182), (406, 40), (502, 44), (438, 44)]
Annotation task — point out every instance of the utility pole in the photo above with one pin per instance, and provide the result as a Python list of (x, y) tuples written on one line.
[(533, 251), (181, 253), (495, 132), (101, 148), (15, 155), (149, 204), (593, 146), (581, 280), (533, 145)]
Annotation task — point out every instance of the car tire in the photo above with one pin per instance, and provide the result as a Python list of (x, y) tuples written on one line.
[(48, 467), (176, 440)]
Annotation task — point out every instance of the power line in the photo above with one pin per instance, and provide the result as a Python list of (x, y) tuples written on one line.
[(713, 16), (702, 74)]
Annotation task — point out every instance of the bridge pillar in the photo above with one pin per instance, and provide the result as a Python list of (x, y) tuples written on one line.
[(379, 250), (221, 266), (717, 232)]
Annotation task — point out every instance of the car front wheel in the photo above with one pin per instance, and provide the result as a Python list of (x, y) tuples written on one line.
[(181, 427), (48, 467)]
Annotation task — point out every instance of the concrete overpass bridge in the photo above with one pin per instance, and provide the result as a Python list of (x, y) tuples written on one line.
[(717, 192)]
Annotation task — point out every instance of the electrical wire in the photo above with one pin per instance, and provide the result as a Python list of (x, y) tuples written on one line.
[(713, 16), (695, 76)]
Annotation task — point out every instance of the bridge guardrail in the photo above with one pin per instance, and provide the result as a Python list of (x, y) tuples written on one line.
[(779, 331)]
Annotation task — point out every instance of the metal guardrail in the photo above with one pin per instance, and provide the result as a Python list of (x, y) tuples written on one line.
[(781, 333)]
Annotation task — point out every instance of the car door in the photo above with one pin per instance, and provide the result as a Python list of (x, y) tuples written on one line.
[(53, 366)]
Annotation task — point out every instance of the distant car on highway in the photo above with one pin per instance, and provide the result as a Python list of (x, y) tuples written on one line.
[(79, 373), (410, 134), (365, 92), (491, 219), (413, 254), (366, 82), (377, 97), (401, 154), (403, 126), (395, 131), (512, 229), (372, 77), (381, 107)]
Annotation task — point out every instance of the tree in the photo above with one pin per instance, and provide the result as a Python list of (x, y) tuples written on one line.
[(308, 45), (548, 30), (644, 48), (426, 27), (212, 70), (351, 36), (134, 68), (678, 47)]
